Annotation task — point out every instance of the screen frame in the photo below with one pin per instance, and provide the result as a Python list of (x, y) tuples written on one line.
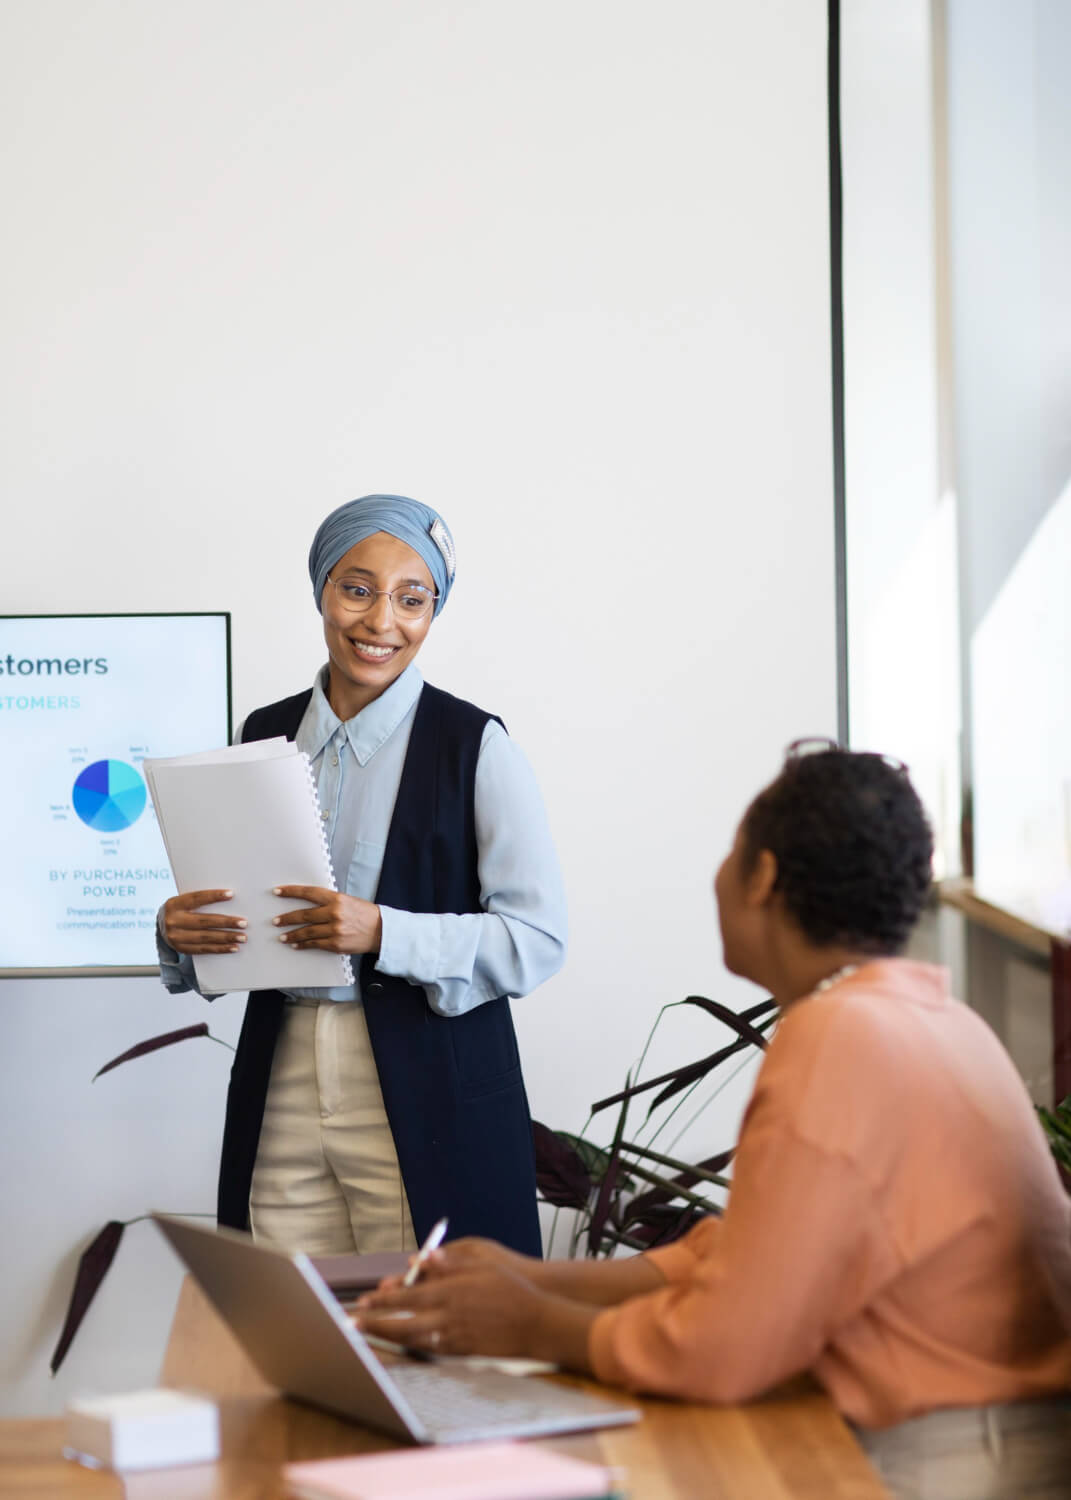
[(121, 971)]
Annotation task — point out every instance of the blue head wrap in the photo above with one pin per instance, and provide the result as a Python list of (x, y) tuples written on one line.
[(418, 526)]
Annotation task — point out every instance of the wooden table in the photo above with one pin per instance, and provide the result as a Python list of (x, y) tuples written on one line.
[(790, 1446)]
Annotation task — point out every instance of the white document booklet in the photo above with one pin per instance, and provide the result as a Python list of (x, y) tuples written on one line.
[(247, 818)]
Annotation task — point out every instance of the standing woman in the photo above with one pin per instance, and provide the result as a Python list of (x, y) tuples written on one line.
[(356, 1116)]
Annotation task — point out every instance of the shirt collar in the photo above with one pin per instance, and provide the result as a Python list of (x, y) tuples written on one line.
[(366, 731)]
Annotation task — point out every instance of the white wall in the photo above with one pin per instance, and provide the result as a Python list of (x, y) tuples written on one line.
[(559, 269)]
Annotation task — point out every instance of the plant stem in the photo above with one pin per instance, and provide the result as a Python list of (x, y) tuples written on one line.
[(678, 1166), (678, 1192), (142, 1217)]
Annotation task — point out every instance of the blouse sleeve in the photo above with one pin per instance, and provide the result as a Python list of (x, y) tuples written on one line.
[(518, 939), (752, 1299), (176, 969)]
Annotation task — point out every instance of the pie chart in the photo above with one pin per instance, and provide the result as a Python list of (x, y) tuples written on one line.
[(109, 795)]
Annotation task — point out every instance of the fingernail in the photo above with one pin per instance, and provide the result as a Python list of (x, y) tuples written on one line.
[(242, 922), (240, 938), (276, 921), (284, 938), (228, 893), (277, 890)]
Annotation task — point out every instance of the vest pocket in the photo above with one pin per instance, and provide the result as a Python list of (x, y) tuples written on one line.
[(485, 1047)]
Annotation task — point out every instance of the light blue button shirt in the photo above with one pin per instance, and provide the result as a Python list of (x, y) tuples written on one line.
[(509, 947)]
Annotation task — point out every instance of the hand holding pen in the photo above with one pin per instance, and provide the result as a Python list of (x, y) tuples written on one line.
[(435, 1238), (420, 1259), (473, 1297)]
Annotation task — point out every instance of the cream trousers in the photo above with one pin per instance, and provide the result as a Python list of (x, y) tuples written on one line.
[(1017, 1451), (326, 1178)]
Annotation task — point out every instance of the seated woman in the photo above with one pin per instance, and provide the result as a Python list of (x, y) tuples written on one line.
[(896, 1223)]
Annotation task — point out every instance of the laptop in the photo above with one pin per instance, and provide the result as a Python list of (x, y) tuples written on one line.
[(287, 1320)]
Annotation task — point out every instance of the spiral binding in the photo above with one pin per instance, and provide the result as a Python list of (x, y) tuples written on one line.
[(315, 795)]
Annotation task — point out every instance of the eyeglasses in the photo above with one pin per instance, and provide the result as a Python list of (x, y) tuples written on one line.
[(819, 746), (812, 745), (409, 602)]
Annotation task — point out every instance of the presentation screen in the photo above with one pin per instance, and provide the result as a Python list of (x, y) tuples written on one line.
[(83, 700)]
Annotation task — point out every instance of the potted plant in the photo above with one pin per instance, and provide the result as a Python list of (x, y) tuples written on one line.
[(633, 1192)]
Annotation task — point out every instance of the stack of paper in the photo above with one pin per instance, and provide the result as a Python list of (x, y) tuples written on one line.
[(246, 819)]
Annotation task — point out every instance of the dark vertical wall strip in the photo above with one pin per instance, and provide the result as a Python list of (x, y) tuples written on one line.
[(836, 302)]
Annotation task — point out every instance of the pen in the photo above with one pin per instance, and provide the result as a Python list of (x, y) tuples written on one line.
[(388, 1346), (433, 1241)]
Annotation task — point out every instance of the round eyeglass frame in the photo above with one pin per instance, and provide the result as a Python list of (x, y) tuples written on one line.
[(348, 605), (820, 745)]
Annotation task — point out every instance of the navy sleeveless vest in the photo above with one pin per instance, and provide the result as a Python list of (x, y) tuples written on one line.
[(452, 1086)]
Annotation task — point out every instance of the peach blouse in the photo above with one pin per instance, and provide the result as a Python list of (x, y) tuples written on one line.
[(879, 1233)]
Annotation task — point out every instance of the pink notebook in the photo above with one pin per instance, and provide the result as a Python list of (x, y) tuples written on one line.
[(470, 1471)]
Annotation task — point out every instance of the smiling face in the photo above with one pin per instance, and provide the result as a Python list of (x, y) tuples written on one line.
[(368, 652)]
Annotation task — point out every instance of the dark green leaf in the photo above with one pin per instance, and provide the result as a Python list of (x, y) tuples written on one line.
[(595, 1158), (704, 1171), (1056, 1128), (686, 1177), (662, 1224), (689, 1073), (679, 1192), (168, 1039), (601, 1212), (561, 1176), (741, 1024), (92, 1269)]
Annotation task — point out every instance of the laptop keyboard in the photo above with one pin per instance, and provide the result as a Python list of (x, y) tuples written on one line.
[(447, 1400)]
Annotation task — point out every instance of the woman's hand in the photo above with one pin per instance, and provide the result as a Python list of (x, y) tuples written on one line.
[(338, 923), (457, 1308), (472, 1255), (191, 931)]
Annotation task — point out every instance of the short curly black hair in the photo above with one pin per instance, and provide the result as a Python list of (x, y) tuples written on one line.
[(853, 847)]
